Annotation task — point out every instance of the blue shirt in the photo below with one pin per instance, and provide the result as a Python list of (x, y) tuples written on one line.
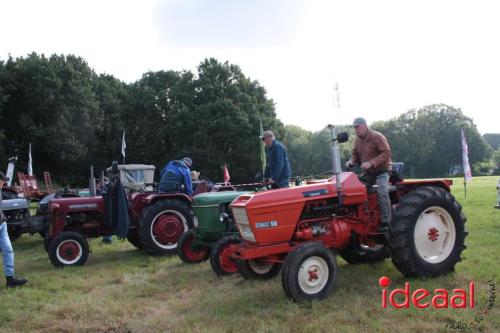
[(278, 166), (174, 174)]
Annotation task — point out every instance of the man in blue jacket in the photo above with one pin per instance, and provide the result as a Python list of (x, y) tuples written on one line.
[(176, 177), (278, 168)]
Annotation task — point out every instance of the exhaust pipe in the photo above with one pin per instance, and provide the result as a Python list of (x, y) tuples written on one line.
[(336, 167)]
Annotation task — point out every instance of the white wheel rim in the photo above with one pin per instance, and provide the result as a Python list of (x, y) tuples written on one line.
[(66, 261), (260, 267), (435, 234), (313, 275), (168, 246)]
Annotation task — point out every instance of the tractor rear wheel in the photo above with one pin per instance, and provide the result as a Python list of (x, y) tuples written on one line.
[(365, 255), (162, 224), (46, 243), (309, 272), (258, 269), (133, 238), (220, 259), (69, 249), (428, 233), (191, 253)]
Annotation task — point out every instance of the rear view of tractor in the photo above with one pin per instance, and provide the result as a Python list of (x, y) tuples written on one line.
[(296, 229)]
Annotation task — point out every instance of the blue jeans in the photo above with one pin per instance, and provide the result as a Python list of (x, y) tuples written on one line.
[(7, 252), (383, 197)]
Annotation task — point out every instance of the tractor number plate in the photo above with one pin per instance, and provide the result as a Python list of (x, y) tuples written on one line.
[(269, 224)]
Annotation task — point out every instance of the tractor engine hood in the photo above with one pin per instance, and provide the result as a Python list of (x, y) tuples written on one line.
[(78, 204), (272, 216), (210, 199), (13, 204)]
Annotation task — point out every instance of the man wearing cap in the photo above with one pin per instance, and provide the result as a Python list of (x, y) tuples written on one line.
[(373, 153), (278, 168), (6, 246), (176, 177)]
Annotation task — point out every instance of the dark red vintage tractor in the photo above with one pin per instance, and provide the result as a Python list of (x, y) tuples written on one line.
[(300, 230), (156, 221)]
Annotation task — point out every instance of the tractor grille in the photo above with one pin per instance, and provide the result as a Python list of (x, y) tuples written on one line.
[(241, 218)]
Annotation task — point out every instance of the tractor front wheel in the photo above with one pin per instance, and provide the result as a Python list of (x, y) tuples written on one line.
[(189, 252), (69, 249), (427, 234), (309, 272), (258, 269), (220, 259), (162, 224)]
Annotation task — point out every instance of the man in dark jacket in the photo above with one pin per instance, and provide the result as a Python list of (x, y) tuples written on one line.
[(6, 246), (176, 177), (278, 168), (373, 153)]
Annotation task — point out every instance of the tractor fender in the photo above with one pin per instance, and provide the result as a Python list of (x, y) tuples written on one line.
[(152, 198), (445, 184)]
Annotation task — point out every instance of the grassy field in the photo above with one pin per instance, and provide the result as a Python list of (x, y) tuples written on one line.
[(122, 289)]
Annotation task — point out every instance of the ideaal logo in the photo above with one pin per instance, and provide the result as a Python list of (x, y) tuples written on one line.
[(441, 298), (422, 298)]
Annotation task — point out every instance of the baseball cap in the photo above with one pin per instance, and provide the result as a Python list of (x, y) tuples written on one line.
[(359, 121), (266, 134)]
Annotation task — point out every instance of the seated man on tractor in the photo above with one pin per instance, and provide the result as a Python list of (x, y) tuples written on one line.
[(373, 153), (176, 177)]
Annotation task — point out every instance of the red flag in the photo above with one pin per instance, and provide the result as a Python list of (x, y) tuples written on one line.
[(227, 177)]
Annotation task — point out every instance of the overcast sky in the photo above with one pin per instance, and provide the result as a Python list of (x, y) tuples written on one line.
[(387, 56)]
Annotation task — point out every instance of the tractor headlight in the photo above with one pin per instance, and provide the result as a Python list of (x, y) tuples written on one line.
[(241, 218), (223, 217)]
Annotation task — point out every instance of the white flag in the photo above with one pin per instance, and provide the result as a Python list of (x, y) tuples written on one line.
[(124, 145), (465, 158), (30, 162)]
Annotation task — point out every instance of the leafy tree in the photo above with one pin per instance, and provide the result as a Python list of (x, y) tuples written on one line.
[(493, 139)]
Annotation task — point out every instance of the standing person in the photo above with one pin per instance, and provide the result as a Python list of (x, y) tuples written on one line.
[(6, 246), (176, 177), (373, 152), (278, 168)]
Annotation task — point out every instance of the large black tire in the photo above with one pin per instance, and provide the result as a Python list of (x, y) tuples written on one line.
[(428, 233), (46, 243), (256, 269), (366, 255), (191, 254), (69, 249), (133, 238), (309, 272), (174, 218), (220, 261)]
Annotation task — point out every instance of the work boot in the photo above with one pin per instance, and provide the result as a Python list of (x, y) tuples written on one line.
[(13, 282)]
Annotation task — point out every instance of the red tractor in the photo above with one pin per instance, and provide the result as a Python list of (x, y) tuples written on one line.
[(156, 220), (300, 230)]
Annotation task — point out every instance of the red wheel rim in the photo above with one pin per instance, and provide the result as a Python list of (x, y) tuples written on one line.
[(69, 250), (227, 264), (193, 254), (168, 228)]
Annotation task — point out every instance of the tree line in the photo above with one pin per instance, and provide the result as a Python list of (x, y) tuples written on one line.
[(74, 118)]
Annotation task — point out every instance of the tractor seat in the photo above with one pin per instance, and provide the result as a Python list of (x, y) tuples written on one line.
[(396, 174)]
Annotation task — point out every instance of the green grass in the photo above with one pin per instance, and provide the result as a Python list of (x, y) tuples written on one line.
[(121, 289)]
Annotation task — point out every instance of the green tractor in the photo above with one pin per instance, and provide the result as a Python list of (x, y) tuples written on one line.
[(214, 233)]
